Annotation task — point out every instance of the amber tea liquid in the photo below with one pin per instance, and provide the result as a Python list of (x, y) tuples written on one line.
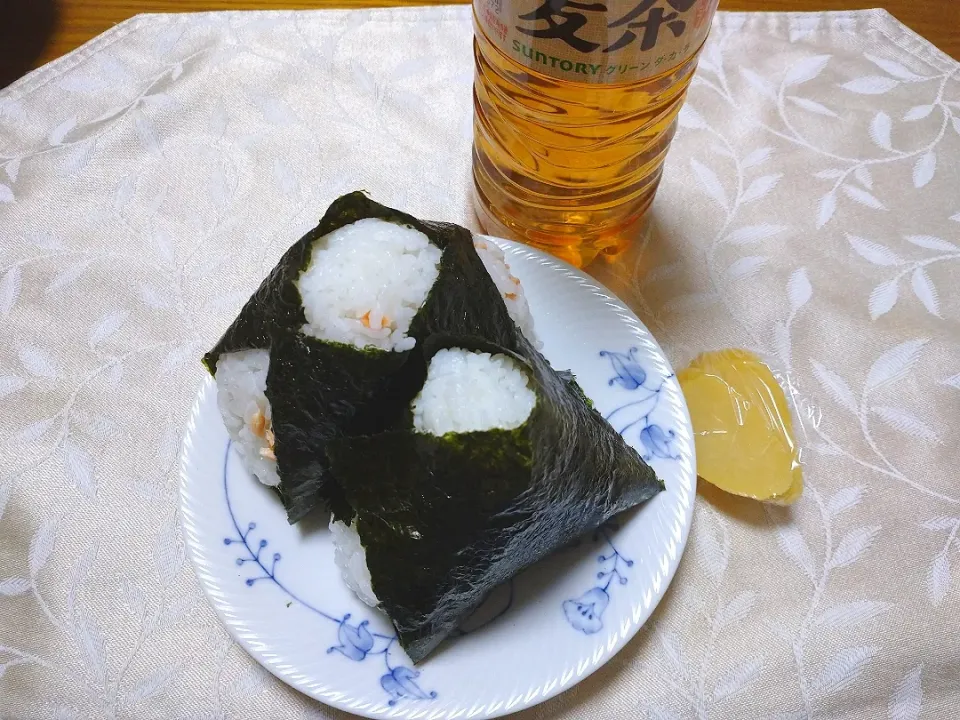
[(575, 104)]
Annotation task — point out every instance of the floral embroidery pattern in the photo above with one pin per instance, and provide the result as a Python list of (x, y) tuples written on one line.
[(810, 182)]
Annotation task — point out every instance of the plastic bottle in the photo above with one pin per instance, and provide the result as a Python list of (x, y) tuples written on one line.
[(575, 105)]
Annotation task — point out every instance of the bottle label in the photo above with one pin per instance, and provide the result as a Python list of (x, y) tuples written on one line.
[(609, 42)]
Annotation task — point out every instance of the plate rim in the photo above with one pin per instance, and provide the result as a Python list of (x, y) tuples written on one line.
[(638, 616)]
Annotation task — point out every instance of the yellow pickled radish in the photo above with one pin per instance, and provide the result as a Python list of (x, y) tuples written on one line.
[(793, 494), (742, 427)]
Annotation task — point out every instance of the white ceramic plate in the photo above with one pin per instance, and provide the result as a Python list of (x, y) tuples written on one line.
[(281, 597)]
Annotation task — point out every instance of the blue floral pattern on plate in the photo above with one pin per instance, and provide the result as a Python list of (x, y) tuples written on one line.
[(636, 415), (355, 640), (585, 613), (517, 667)]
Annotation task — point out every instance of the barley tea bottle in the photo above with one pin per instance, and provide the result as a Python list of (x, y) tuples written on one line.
[(575, 104)]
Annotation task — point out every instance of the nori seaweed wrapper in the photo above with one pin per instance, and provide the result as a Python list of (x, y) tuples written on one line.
[(444, 520), (318, 389), (464, 299)]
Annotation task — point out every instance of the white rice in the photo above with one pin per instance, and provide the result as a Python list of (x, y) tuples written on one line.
[(365, 283), (363, 286), (241, 395), (351, 558), (467, 391), (509, 286)]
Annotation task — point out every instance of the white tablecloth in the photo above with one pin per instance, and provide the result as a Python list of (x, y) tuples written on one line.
[(810, 210)]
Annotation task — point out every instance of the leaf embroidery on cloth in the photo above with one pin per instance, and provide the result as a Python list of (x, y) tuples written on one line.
[(817, 172)]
